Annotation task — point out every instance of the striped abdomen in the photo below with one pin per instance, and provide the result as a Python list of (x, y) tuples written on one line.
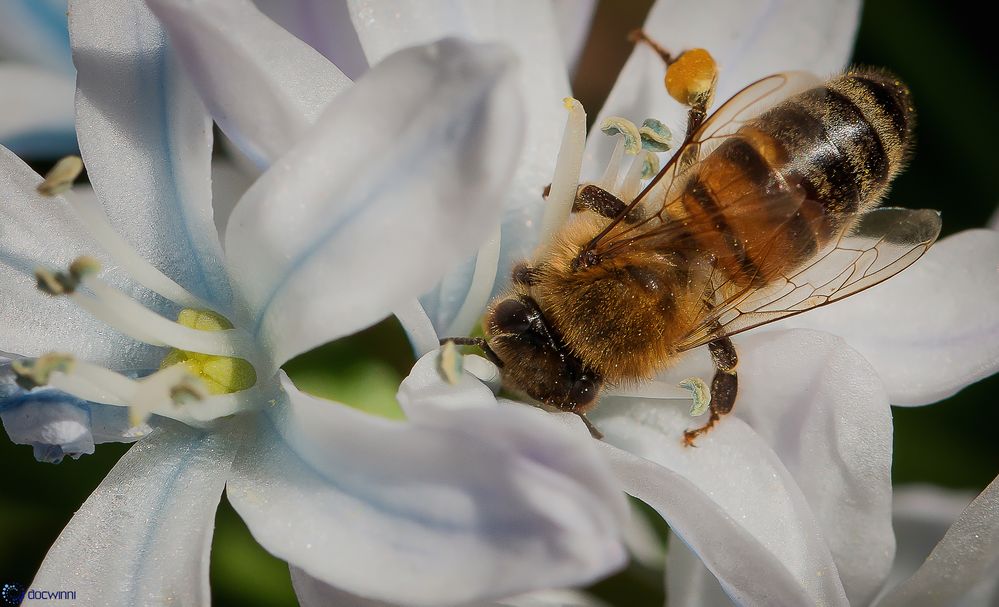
[(837, 146)]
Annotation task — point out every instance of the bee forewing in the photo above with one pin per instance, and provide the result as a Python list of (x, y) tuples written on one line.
[(874, 247)]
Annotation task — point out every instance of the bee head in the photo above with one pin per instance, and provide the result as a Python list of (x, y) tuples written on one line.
[(535, 360)]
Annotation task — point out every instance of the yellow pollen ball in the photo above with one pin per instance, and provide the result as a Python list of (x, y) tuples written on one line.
[(220, 374), (691, 78)]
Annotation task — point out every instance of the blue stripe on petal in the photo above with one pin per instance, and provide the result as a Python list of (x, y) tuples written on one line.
[(43, 144)]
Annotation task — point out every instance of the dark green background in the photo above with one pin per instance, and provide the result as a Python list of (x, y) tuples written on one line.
[(947, 58)]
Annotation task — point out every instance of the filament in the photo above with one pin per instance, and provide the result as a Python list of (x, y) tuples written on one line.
[(567, 169), (483, 279), (95, 220)]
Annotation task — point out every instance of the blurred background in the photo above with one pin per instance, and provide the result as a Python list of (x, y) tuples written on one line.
[(950, 64)]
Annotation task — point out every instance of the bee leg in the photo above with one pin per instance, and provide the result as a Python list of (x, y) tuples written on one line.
[(478, 342), (724, 387), (597, 434)]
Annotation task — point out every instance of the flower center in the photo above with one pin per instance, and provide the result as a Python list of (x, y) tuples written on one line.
[(209, 371), (220, 374)]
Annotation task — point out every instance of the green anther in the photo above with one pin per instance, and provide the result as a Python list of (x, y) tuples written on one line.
[(700, 392), (656, 136), (650, 165), (615, 125), (220, 374)]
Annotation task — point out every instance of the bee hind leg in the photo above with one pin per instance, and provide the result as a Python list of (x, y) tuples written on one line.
[(724, 387)]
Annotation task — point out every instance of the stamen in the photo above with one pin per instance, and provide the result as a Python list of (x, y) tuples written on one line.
[(94, 219), (609, 178), (659, 390), (32, 373), (132, 318), (60, 177), (615, 125), (171, 392), (631, 185), (567, 168), (450, 362), (656, 136), (483, 279)]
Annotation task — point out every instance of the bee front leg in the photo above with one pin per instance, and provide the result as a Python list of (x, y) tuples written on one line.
[(724, 387)]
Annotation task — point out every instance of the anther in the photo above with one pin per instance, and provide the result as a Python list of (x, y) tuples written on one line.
[(60, 177), (33, 373), (632, 137), (656, 136), (700, 392), (450, 362)]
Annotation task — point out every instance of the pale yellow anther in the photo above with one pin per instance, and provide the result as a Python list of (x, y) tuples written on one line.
[(32, 373), (61, 177), (450, 362), (219, 374)]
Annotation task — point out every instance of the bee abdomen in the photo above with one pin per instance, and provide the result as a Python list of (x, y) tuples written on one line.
[(844, 141)]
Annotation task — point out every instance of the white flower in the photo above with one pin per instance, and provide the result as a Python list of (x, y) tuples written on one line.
[(788, 501), (36, 79), (360, 211)]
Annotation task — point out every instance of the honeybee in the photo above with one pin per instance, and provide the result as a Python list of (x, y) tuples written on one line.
[(769, 208)]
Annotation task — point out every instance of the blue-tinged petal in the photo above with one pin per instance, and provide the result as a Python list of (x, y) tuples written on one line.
[(146, 139), (749, 40), (37, 116), (262, 85), (933, 329), (730, 499), (38, 231), (144, 535), (56, 424), (324, 25), (529, 28), (398, 180), (963, 568), (34, 31), (466, 507)]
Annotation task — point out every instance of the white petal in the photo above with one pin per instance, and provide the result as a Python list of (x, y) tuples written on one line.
[(262, 85), (963, 569), (931, 330), (324, 25), (921, 515), (425, 392), (688, 581), (147, 142), (34, 31), (37, 116), (483, 505), (730, 499), (399, 178), (37, 231), (824, 412), (573, 18), (529, 27), (749, 40), (144, 535), (313, 593)]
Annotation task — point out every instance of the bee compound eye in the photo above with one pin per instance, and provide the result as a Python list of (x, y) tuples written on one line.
[(584, 392), (511, 316)]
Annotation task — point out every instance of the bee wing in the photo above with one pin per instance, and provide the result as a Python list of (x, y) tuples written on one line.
[(874, 247), (745, 105), (749, 103)]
